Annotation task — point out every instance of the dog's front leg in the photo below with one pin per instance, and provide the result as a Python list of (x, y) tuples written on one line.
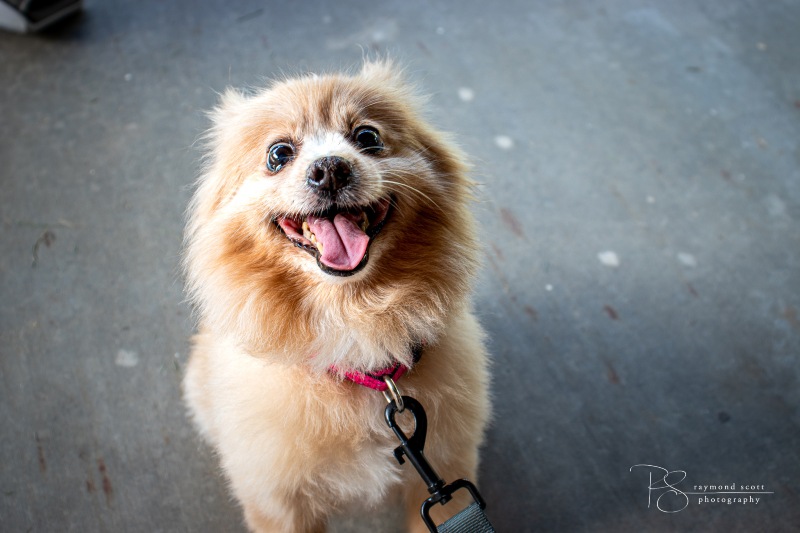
[(283, 518)]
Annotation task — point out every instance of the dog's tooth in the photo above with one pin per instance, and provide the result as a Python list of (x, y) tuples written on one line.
[(364, 221), (315, 242), (307, 231)]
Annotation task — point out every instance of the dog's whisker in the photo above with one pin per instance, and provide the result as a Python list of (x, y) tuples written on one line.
[(411, 189)]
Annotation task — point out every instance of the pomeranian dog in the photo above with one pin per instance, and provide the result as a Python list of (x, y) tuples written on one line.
[(329, 239)]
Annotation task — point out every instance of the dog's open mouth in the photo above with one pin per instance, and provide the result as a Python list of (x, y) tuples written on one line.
[(338, 238)]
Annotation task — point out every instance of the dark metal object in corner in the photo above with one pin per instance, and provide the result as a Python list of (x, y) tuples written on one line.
[(27, 16)]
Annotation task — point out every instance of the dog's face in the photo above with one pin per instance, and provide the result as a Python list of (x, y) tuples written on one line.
[(328, 172), (330, 219)]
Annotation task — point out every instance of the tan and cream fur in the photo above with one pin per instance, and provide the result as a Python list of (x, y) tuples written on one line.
[(296, 441)]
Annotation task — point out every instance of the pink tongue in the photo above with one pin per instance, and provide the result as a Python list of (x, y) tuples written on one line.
[(343, 242)]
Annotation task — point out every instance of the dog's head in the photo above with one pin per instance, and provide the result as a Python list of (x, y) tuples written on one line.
[(331, 218)]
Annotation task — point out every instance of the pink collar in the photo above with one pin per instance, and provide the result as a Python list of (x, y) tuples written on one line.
[(375, 380)]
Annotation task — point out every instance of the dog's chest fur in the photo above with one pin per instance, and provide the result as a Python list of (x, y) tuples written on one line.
[(284, 430)]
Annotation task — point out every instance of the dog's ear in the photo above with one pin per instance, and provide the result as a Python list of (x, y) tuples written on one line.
[(383, 71), (231, 97), (390, 77), (229, 104)]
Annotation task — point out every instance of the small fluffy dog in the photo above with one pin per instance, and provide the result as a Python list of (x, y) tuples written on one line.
[(329, 234)]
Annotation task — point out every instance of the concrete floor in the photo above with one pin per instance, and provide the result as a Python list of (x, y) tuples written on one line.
[(640, 163)]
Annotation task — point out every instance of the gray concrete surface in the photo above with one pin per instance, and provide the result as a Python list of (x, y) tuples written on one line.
[(640, 163)]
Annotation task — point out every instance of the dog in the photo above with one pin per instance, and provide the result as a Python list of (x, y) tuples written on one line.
[(329, 236)]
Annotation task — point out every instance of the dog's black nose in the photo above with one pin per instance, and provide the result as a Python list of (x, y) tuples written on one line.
[(329, 174)]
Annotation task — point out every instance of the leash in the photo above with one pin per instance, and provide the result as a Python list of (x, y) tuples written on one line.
[(471, 519)]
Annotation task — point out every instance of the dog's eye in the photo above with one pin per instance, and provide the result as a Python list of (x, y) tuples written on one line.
[(367, 139), (279, 154)]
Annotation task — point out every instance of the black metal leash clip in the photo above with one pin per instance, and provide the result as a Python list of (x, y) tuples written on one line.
[(411, 448)]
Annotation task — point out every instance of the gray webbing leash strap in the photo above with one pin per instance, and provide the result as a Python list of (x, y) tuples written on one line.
[(469, 520)]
